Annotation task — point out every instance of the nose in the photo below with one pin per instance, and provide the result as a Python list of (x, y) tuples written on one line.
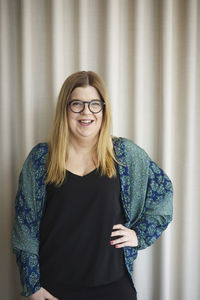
[(86, 108)]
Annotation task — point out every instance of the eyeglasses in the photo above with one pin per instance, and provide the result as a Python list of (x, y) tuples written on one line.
[(95, 105)]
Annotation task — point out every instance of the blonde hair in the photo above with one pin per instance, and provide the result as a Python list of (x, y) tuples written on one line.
[(59, 134)]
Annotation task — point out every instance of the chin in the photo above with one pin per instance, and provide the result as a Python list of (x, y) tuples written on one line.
[(89, 135)]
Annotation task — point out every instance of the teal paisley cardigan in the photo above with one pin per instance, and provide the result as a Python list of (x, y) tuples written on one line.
[(146, 194)]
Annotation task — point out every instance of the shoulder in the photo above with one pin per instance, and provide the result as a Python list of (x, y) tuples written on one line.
[(130, 148), (40, 148), (37, 154)]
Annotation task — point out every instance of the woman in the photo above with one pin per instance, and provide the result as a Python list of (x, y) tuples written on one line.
[(86, 203)]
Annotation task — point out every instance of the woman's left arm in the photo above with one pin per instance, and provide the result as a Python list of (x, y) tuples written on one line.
[(158, 209)]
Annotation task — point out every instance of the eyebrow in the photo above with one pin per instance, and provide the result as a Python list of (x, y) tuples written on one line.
[(85, 100)]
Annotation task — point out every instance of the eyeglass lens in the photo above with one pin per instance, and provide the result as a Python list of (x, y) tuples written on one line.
[(94, 106)]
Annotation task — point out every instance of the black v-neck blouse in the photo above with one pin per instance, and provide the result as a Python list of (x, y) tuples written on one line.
[(75, 229)]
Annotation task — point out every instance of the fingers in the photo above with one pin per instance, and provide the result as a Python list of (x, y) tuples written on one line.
[(122, 230), (120, 240), (37, 295), (50, 298), (118, 226), (127, 243), (42, 294), (118, 232), (47, 295), (128, 236)]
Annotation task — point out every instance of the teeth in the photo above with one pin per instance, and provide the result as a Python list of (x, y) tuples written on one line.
[(89, 121)]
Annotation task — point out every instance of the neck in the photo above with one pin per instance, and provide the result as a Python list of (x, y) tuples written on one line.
[(82, 146)]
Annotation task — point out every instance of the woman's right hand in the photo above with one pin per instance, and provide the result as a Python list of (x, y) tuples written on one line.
[(42, 294)]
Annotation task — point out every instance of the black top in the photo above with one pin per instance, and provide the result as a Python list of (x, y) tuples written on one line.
[(75, 230)]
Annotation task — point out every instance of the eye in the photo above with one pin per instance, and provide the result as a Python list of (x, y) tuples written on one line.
[(76, 104), (96, 104)]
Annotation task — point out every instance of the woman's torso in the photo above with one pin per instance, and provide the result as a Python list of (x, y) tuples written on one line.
[(75, 230)]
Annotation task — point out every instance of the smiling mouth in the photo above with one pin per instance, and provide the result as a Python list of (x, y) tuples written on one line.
[(85, 122)]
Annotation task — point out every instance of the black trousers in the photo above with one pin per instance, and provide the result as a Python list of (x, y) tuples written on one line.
[(122, 289)]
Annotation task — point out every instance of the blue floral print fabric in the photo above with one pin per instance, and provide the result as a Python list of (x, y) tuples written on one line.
[(146, 194)]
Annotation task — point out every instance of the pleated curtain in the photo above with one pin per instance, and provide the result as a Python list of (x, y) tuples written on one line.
[(148, 53)]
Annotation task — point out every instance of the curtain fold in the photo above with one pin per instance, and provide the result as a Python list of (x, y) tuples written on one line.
[(148, 53)]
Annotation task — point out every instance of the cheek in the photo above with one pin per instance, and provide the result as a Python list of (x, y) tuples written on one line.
[(71, 116), (71, 120), (100, 119)]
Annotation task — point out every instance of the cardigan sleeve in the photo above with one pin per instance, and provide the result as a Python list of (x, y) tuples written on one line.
[(157, 212), (25, 241), (28, 264)]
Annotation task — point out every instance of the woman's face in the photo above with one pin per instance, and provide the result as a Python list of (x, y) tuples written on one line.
[(78, 129)]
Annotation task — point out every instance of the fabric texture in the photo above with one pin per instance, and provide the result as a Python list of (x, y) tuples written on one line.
[(146, 194), (118, 290), (79, 254)]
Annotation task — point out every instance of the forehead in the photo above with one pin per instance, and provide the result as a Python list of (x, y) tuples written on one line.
[(85, 93)]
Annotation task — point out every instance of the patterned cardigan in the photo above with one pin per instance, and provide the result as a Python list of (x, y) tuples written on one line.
[(146, 194)]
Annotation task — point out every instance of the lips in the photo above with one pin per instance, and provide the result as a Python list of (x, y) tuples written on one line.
[(85, 122)]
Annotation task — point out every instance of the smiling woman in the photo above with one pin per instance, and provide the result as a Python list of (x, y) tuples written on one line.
[(81, 116), (77, 192), (86, 127)]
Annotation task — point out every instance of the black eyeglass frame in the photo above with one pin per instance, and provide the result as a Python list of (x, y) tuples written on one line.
[(84, 102)]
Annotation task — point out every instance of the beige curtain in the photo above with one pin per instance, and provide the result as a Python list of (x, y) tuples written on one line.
[(148, 52)]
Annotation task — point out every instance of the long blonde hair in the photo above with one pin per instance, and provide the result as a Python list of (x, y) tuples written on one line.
[(59, 134)]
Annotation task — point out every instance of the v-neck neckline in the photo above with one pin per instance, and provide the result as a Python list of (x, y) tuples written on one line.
[(81, 176)]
